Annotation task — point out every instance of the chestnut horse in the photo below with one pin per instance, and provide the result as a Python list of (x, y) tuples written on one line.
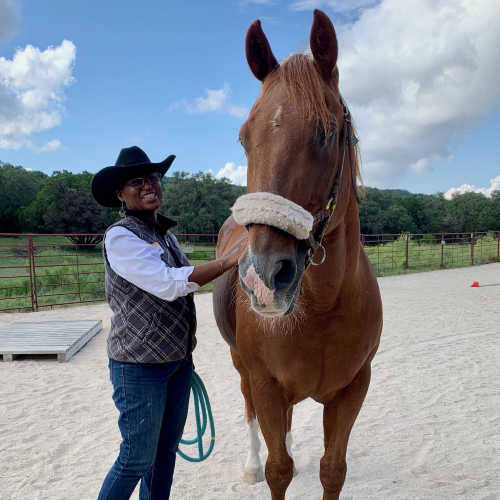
[(296, 330)]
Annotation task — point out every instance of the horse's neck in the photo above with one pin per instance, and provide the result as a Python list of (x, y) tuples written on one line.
[(342, 245)]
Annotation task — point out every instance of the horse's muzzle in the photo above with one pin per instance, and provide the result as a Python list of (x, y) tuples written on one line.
[(272, 283)]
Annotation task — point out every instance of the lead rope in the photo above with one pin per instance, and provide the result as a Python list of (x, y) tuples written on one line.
[(200, 398)]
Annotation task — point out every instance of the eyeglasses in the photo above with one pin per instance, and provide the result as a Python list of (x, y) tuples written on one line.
[(139, 182)]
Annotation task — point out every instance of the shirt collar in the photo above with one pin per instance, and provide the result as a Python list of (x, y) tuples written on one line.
[(161, 225)]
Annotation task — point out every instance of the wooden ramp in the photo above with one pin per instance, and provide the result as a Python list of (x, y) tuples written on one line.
[(63, 338)]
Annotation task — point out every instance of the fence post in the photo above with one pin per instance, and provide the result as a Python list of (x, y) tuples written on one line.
[(34, 291), (78, 270), (442, 250), (30, 257), (363, 240), (472, 249), (406, 263)]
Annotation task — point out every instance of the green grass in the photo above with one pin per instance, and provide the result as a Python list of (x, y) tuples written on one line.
[(57, 272), (56, 269), (389, 259)]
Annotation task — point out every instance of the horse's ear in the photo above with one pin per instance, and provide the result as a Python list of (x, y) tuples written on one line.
[(324, 46), (260, 57)]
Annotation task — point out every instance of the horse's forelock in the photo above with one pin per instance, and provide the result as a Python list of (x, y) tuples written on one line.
[(304, 89)]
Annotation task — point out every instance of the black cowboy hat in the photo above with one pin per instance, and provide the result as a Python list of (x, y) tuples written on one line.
[(131, 162)]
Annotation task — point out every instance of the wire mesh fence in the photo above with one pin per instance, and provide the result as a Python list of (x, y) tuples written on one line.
[(46, 270), (42, 271)]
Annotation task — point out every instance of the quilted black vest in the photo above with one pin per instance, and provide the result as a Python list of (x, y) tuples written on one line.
[(145, 328)]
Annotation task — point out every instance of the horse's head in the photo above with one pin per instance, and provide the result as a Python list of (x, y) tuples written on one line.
[(293, 142)]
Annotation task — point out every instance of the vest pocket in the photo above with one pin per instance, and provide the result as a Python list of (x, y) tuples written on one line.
[(149, 334)]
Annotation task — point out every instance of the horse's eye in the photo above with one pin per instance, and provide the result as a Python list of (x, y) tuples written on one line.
[(331, 134)]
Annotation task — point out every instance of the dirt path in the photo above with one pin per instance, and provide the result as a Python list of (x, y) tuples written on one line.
[(429, 429)]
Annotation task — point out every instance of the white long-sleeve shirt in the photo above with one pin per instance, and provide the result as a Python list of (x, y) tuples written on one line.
[(139, 262)]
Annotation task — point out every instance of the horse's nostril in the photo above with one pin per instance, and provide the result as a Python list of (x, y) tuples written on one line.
[(284, 274)]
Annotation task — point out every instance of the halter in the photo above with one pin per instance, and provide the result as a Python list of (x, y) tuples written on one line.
[(273, 210), (322, 218)]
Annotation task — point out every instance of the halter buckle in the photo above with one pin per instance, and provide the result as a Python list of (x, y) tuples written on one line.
[(311, 253)]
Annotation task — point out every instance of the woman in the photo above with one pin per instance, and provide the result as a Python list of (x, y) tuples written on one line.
[(149, 286)]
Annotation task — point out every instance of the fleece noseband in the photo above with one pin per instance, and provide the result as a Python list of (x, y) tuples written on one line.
[(273, 210)]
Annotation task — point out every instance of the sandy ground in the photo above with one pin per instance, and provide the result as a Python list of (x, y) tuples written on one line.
[(429, 428)]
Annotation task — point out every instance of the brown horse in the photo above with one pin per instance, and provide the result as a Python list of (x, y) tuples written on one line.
[(296, 330)]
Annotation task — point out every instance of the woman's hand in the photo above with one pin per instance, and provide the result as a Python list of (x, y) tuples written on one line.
[(231, 259), (205, 273)]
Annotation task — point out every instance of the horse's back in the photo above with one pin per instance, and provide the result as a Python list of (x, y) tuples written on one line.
[(225, 287)]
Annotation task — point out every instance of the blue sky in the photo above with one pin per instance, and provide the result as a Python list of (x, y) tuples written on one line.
[(172, 78)]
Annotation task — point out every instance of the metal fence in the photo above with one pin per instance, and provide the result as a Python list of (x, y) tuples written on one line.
[(392, 254), (47, 270)]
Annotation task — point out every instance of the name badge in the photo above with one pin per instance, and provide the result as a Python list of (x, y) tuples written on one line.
[(158, 247)]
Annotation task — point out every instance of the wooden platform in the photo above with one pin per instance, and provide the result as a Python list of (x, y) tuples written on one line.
[(63, 338)]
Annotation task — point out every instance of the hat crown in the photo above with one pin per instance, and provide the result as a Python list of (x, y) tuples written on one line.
[(131, 156)]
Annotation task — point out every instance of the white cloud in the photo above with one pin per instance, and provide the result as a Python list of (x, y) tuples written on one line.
[(49, 146), (334, 5), (418, 75), (468, 188), (9, 18), (237, 175), (32, 92), (422, 166), (214, 100)]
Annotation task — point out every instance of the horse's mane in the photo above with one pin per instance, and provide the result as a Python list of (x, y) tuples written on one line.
[(304, 89)]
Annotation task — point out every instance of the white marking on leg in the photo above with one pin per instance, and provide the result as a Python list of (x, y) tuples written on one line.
[(254, 472)]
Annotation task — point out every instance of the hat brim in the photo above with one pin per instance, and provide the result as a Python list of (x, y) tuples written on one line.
[(108, 180)]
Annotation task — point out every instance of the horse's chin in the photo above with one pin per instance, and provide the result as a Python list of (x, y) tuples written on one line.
[(281, 306)]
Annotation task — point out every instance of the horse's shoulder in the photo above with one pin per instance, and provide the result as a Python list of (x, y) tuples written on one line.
[(225, 287)]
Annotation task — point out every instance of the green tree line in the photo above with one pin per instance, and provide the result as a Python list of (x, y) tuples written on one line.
[(31, 201)]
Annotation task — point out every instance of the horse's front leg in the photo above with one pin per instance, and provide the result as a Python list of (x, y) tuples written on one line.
[(339, 416), (272, 411)]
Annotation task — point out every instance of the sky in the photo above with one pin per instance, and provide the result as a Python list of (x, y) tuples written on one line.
[(81, 80)]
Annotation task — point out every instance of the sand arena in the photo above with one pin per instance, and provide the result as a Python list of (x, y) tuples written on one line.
[(429, 428)]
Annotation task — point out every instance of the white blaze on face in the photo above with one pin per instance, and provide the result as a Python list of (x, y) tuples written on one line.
[(263, 294), (275, 122)]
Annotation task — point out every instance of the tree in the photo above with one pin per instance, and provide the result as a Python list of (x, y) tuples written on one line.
[(200, 203), (18, 188), (65, 204), (472, 211)]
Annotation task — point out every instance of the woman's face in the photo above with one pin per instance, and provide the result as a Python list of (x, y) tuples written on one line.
[(146, 198)]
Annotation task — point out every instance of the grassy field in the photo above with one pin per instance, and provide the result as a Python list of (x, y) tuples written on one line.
[(67, 274)]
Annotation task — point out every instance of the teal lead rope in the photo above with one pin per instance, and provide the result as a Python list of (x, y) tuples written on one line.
[(200, 398)]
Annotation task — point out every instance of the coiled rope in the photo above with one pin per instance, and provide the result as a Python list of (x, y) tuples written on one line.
[(200, 398)]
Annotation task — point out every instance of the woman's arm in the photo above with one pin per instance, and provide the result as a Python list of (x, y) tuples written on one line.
[(205, 273), (140, 263)]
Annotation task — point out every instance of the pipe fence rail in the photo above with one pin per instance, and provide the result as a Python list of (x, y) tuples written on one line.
[(47, 270)]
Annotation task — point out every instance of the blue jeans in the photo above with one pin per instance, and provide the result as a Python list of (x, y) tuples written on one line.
[(153, 403)]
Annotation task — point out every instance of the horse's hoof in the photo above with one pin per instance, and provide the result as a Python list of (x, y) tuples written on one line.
[(254, 476)]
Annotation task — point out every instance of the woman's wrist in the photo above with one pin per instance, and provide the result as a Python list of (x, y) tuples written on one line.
[(219, 260)]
